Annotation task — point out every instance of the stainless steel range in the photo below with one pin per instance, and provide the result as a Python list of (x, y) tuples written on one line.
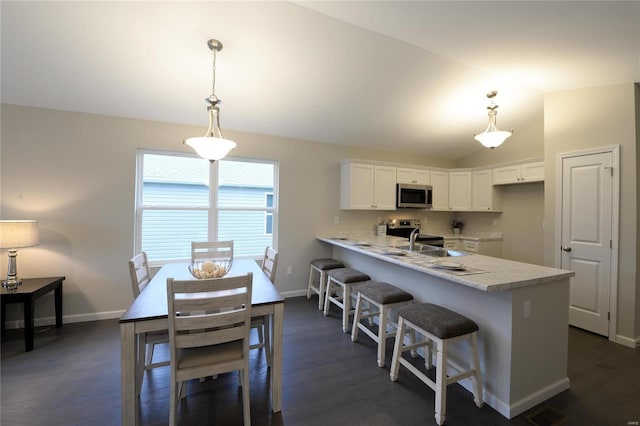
[(404, 227)]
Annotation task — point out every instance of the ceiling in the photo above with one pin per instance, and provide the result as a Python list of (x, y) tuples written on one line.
[(381, 74)]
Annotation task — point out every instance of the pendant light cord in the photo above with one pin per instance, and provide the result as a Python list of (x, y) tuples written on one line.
[(213, 79)]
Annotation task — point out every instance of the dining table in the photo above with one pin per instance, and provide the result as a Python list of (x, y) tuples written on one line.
[(148, 313)]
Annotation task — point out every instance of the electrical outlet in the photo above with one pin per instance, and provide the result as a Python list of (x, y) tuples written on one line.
[(336, 219), (289, 270), (495, 222), (527, 309)]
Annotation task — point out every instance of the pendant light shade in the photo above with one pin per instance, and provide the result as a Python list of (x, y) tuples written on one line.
[(492, 137), (212, 146)]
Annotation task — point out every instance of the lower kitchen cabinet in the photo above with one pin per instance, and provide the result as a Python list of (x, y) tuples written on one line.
[(491, 248)]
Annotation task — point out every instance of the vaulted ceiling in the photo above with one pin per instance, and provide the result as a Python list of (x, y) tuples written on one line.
[(382, 74)]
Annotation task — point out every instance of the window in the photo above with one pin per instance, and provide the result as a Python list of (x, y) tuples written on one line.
[(182, 198), (268, 215)]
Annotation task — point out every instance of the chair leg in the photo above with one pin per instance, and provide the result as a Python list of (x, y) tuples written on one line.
[(397, 350), (246, 406), (441, 382), (149, 359), (382, 335), (260, 335), (173, 401)]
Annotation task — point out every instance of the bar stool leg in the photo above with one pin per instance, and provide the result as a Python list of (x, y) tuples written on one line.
[(327, 303), (311, 269), (397, 350), (321, 284), (382, 335), (346, 291), (441, 381), (475, 366), (356, 319)]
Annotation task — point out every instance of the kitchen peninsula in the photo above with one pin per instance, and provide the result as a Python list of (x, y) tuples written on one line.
[(521, 309)]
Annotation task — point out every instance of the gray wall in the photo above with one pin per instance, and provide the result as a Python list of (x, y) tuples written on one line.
[(590, 118), (75, 174)]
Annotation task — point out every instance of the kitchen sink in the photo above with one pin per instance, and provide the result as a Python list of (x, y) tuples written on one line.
[(431, 250)]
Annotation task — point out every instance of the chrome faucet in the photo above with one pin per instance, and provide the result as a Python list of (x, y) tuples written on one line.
[(412, 238)]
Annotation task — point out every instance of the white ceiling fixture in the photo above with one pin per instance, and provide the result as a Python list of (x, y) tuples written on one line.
[(492, 137), (212, 146)]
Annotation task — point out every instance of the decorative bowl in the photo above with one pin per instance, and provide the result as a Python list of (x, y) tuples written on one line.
[(205, 269)]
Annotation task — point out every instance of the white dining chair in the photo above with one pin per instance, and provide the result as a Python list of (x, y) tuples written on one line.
[(262, 324), (211, 250), (213, 337), (140, 277)]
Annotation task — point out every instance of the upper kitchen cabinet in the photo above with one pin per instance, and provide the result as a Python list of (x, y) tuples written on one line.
[(519, 173), (484, 197), (415, 176), (367, 186), (440, 190), (460, 191)]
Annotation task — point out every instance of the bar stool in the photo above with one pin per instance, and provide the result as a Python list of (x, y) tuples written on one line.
[(442, 327), (384, 297), (345, 278), (321, 266)]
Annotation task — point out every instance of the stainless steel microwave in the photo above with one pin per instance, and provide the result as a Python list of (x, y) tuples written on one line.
[(413, 196)]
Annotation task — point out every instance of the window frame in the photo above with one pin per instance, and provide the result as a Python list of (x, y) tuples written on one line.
[(213, 208)]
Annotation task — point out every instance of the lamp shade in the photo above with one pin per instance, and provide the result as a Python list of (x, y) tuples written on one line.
[(18, 233), (212, 146), (492, 138)]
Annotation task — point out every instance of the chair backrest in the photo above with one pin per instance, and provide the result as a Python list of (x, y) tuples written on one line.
[(212, 250), (270, 263), (209, 312), (139, 272)]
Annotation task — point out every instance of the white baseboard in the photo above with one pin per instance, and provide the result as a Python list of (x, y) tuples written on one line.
[(98, 316), (537, 397), (293, 293), (67, 319), (627, 341)]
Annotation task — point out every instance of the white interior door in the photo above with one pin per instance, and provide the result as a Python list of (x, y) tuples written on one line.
[(586, 234)]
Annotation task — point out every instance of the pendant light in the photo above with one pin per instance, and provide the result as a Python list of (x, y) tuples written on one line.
[(492, 137), (212, 146)]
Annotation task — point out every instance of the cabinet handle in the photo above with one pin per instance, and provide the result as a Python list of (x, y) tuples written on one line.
[(566, 248)]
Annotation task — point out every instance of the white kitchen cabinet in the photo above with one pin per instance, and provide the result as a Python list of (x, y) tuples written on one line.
[(451, 244), (367, 187), (484, 197), (440, 190), (415, 176), (519, 173), (460, 191), (491, 248)]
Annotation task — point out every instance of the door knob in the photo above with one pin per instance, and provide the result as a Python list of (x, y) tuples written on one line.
[(566, 248)]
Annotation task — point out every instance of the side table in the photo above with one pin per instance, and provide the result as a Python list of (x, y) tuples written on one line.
[(27, 293)]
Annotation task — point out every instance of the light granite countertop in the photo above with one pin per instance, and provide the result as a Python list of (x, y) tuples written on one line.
[(480, 272)]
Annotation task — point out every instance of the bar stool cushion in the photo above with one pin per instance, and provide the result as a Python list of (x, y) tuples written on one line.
[(439, 321), (384, 293), (327, 263), (348, 275)]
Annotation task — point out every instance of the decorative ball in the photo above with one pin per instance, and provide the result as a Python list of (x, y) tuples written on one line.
[(210, 268)]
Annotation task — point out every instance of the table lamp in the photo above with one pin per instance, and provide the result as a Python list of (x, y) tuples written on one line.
[(15, 234)]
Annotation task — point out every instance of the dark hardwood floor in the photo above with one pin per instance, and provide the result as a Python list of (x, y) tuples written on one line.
[(72, 377)]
